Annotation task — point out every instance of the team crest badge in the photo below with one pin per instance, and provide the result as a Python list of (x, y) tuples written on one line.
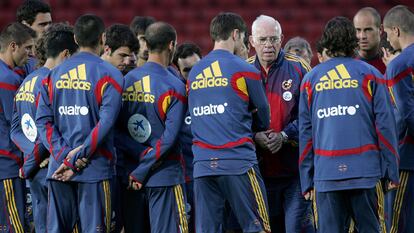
[(287, 84), (287, 96), (139, 128), (29, 127)]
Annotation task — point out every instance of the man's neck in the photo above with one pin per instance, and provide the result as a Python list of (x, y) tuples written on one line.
[(227, 45), (160, 58), (95, 51), (141, 62), (50, 63), (7, 58), (369, 54), (406, 41)]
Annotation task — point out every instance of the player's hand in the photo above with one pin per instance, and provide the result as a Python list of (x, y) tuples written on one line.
[(309, 195), (388, 56), (275, 142), (21, 173), (44, 163), (73, 152), (392, 186), (133, 184), (63, 173), (261, 138), (82, 163)]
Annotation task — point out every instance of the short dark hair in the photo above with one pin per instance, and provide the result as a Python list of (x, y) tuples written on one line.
[(224, 23), (88, 30), (140, 23), (339, 37), (185, 50), (402, 17), (119, 35), (17, 32), (29, 9), (158, 35), (319, 47), (373, 12)]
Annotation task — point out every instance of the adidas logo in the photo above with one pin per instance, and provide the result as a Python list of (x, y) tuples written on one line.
[(336, 79), (210, 77), (74, 79), (26, 92), (140, 91)]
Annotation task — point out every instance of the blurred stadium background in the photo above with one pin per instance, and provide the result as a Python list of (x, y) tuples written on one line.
[(191, 18)]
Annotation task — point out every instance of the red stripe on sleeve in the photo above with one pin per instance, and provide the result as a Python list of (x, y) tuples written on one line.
[(308, 147), (8, 86), (400, 76), (95, 134)]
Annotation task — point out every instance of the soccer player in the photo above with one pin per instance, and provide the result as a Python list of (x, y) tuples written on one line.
[(399, 26), (15, 46), (35, 14), (223, 90), (367, 22), (58, 44), (186, 56), (277, 146), (138, 25), (78, 106), (119, 49), (347, 136), (300, 47), (154, 105), (120, 44)]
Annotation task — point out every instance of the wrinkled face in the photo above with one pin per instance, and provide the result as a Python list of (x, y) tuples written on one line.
[(368, 34), (20, 53), (392, 37), (120, 58), (143, 49), (41, 23), (185, 64), (266, 41)]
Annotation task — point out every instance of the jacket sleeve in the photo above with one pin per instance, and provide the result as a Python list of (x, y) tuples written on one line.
[(110, 104), (173, 121), (403, 87), (33, 160), (258, 100), (17, 135), (306, 165), (48, 132), (386, 129)]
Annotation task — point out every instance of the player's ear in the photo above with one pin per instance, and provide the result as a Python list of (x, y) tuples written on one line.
[(103, 38), (13, 46), (235, 34), (171, 45), (107, 50)]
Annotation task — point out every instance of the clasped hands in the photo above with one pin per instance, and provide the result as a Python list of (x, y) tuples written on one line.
[(269, 140)]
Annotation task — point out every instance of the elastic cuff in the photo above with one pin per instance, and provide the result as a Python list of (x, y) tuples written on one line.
[(68, 164)]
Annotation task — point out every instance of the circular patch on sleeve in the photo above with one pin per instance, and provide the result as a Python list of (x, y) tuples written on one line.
[(29, 127), (139, 128), (287, 96)]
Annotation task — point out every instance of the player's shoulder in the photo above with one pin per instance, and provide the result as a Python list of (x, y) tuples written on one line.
[(298, 61)]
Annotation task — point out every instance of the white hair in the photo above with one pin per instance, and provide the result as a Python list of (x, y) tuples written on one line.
[(266, 19)]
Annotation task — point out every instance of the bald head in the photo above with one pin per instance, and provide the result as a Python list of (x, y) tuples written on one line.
[(400, 16), (369, 12), (159, 35)]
